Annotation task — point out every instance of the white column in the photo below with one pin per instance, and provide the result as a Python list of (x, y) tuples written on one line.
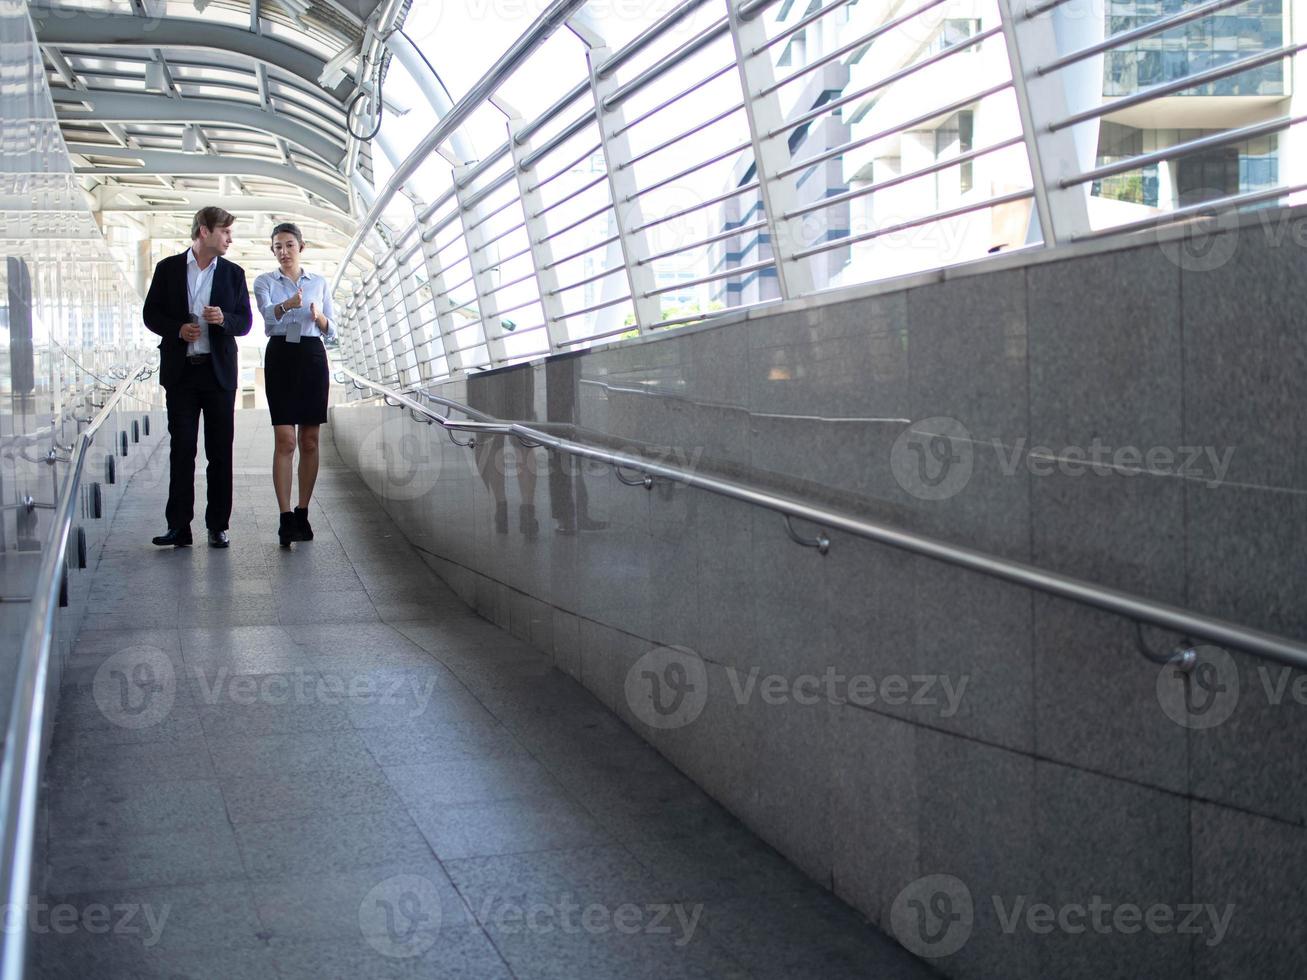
[(770, 154), (482, 258), (542, 255)]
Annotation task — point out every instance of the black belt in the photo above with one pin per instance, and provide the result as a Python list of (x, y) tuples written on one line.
[(197, 358)]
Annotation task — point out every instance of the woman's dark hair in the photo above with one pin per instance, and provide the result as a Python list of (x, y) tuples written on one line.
[(289, 228)]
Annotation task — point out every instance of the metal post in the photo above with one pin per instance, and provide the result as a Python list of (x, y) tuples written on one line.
[(780, 195), (439, 293), (542, 255), (627, 212), (1042, 99), (482, 258)]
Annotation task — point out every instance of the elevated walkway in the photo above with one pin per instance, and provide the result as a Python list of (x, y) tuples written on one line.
[(320, 763)]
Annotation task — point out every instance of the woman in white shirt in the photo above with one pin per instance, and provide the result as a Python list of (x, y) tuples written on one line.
[(297, 317)]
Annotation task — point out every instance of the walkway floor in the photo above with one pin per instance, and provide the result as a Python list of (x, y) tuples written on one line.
[(319, 763)]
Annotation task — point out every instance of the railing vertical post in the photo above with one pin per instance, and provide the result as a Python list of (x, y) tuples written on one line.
[(439, 294), (771, 155), (380, 333), (542, 255), (396, 319), (1041, 100), (627, 211), (482, 258)]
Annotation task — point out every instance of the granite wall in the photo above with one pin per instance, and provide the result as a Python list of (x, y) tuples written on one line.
[(947, 752)]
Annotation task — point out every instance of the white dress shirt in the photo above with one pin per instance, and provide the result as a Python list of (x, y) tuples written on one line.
[(199, 286), (272, 288)]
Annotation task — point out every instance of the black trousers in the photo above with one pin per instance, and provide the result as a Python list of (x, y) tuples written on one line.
[(197, 393)]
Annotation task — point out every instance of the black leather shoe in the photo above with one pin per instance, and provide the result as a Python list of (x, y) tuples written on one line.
[(177, 537), (303, 530), (286, 530), (219, 539)]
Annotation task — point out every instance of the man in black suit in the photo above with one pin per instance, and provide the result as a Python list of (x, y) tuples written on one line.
[(199, 305)]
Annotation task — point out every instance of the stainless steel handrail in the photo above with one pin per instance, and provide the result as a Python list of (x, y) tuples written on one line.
[(20, 779), (1190, 624)]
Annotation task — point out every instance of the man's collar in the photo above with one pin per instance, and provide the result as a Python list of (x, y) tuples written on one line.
[(192, 260)]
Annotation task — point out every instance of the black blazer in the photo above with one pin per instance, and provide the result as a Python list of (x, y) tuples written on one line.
[(167, 306)]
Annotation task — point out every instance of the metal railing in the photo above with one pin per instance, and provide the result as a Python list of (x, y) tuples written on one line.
[(20, 778), (1191, 625), (832, 142)]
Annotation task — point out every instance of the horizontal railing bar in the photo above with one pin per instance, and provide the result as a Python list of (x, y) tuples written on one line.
[(887, 80), (425, 214), (686, 134), (567, 169), (647, 36), (848, 48), (751, 9), (481, 166), (1179, 85), (816, 15), (677, 321), (1160, 26), (742, 270), (734, 150), (598, 306), (513, 282), (571, 195), (576, 255), (654, 72), (476, 198), (914, 223), (753, 185), (569, 97), (1191, 625), (672, 100), (1034, 10), (935, 167), (720, 236), (490, 214), (568, 132), (588, 279), (892, 130), (598, 336), (1180, 149), (1202, 209), (499, 314), (503, 234), (608, 206)]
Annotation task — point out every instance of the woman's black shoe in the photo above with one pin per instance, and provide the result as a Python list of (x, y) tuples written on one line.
[(286, 532), (303, 531)]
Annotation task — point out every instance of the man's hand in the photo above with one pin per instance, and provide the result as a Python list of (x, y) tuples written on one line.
[(190, 332), (213, 314), (319, 320)]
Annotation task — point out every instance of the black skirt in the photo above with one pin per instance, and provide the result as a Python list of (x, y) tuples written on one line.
[(295, 377)]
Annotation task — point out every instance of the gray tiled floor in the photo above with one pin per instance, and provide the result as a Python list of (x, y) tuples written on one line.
[(336, 793)]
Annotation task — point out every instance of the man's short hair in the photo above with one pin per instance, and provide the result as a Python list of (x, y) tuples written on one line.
[(288, 228), (210, 218)]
